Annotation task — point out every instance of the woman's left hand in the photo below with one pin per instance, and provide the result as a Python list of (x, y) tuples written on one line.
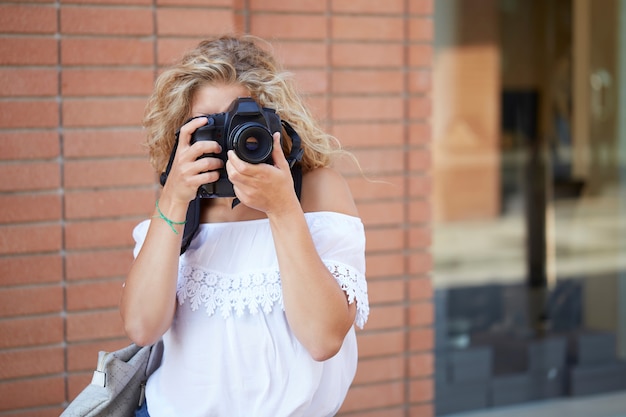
[(264, 187)]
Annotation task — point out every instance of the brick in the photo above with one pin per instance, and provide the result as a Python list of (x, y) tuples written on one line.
[(42, 144), (109, 51), (373, 370), (421, 364), (422, 7), (105, 142), (200, 22), (420, 186), (304, 6), (30, 269), (420, 133), (107, 82), (311, 81), (30, 238), (30, 176), (368, 28), (421, 339), (107, 203), (28, 19), (22, 332), (420, 289), (381, 213), (99, 234), (31, 362), (421, 29), (367, 55), (106, 21), (381, 343), (420, 212), (368, 81), (76, 383), (369, 134), (422, 410), (364, 397), (421, 314), (91, 265), (420, 108), (420, 81), (240, 20), (107, 173), (301, 54), (386, 161), (421, 390), (366, 188), (84, 356), (368, 7), (206, 3), (289, 26), (103, 112), (384, 239), (420, 160), (18, 208), (28, 82), (420, 237), (94, 295), (170, 50), (31, 393), (385, 291), (395, 411), (51, 411), (29, 113), (421, 55), (420, 263), (385, 317), (94, 325), (112, 2), (369, 109), (385, 265), (28, 51), (318, 106), (32, 300)]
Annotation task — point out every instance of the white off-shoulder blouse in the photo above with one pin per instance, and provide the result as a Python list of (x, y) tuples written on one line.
[(230, 351)]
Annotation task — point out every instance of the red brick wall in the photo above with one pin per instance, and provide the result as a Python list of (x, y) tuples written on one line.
[(74, 78)]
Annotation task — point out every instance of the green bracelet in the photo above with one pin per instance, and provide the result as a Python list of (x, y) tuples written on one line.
[(171, 223)]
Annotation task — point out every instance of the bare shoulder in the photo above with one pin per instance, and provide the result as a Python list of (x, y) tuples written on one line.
[(325, 189)]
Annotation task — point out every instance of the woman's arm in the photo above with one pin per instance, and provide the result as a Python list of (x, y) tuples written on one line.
[(148, 299), (149, 294), (316, 307)]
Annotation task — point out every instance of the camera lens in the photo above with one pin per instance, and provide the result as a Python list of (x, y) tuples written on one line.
[(252, 142)]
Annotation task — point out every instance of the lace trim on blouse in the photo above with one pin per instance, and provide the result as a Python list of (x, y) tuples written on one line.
[(257, 291)]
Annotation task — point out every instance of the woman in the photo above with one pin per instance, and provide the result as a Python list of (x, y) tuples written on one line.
[(257, 315)]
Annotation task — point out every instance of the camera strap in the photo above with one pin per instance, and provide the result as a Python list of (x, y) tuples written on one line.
[(294, 157), (193, 211)]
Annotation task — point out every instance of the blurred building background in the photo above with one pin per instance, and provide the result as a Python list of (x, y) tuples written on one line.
[(528, 206), (492, 135)]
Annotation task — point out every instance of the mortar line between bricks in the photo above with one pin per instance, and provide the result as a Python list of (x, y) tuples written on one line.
[(61, 160)]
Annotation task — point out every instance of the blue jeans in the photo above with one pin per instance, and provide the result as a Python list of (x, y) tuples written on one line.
[(142, 411)]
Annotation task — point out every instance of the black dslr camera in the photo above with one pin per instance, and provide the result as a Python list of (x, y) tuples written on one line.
[(247, 129)]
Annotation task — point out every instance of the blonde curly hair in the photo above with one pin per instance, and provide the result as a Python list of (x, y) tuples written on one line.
[(230, 60)]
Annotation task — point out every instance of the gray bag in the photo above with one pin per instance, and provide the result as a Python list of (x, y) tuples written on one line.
[(118, 383)]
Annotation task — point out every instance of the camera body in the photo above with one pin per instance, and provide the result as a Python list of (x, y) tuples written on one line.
[(246, 128)]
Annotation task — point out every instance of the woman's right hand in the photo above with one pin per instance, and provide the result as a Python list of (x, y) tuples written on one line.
[(189, 171)]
